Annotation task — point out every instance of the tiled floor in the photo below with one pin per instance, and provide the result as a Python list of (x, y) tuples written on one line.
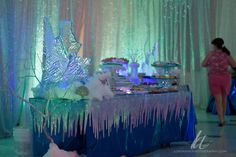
[(7, 148), (222, 141)]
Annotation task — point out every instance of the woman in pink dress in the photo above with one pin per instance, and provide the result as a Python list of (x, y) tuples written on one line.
[(219, 78)]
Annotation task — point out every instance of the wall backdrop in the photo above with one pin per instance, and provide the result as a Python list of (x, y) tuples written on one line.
[(183, 30)]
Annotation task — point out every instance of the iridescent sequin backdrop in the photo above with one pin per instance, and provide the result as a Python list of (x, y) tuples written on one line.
[(182, 28)]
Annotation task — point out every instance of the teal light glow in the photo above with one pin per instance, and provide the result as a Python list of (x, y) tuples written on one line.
[(182, 28)]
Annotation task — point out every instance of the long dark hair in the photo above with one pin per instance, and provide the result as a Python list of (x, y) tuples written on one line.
[(219, 43)]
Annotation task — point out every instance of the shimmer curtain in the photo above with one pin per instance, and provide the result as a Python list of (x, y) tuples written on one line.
[(17, 50), (183, 30), (226, 23), (5, 104), (5, 113)]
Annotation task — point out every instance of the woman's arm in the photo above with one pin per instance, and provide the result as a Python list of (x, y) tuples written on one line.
[(231, 62), (205, 61)]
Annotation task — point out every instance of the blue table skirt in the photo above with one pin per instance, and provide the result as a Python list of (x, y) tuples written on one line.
[(231, 101), (122, 141), (143, 138)]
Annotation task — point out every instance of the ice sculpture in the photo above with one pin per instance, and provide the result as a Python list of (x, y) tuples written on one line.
[(150, 57), (70, 43), (61, 65), (155, 51), (134, 73), (61, 62)]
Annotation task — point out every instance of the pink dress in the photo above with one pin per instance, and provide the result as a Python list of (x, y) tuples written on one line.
[(218, 76)]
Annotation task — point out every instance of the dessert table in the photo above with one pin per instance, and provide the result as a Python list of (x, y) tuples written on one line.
[(129, 124)]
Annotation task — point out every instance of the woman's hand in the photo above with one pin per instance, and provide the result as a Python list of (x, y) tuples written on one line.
[(205, 61)]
